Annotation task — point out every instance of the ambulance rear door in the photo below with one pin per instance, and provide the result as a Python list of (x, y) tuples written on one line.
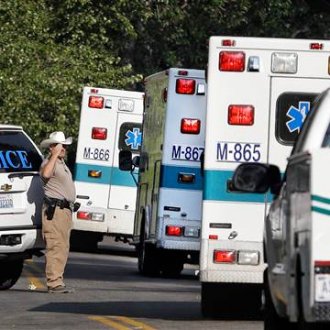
[(291, 99), (123, 187)]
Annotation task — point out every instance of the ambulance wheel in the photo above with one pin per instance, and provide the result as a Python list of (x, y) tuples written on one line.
[(10, 272), (171, 264), (148, 264)]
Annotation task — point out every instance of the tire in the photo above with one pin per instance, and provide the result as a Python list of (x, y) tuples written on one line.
[(10, 272), (272, 321), (171, 264), (148, 264), (148, 255)]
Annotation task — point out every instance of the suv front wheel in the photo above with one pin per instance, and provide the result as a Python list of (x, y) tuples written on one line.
[(10, 273)]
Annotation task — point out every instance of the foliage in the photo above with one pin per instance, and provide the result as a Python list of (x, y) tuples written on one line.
[(51, 49)]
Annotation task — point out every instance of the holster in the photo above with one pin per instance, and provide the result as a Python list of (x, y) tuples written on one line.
[(76, 206), (50, 210)]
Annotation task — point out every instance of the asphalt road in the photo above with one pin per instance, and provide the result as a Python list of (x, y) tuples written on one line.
[(109, 294)]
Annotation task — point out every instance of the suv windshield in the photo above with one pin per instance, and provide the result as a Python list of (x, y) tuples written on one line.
[(17, 153)]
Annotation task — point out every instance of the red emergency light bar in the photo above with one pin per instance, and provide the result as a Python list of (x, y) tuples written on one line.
[(96, 102), (239, 114), (190, 126), (316, 46), (232, 61), (228, 43), (185, 86), (99, 133)]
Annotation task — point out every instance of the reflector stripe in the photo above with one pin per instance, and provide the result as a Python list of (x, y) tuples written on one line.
[(320, 204), (216, 189), (110, 175), (169, 177)]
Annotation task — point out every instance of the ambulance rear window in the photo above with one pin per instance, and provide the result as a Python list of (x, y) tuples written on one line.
[(17, 153), (291, 110), (130, 137)]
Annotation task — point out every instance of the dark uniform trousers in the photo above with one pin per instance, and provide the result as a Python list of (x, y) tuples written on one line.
[(56, 233)]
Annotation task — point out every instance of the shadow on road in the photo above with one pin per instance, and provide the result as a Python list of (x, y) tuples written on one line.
[(167, 310)]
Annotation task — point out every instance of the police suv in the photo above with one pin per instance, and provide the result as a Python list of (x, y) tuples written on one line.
[(21, 195), (297, 227)]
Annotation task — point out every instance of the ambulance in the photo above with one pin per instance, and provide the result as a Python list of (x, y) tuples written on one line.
[(259, 93), (297, 228), (110, 121), (168, 211)]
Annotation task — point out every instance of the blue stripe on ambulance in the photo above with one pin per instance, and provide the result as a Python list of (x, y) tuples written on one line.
[(170, 173), (110, 175), (324, 204), (216, 189)]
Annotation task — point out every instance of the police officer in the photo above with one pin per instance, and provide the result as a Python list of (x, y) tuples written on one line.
[(57, 211)]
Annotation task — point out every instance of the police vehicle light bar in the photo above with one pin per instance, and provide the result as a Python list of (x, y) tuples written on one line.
[(232, 61), (96, 102), (174, 231), (99, 133), (185, 86), (190, 126), (284, 62), (224, 256), (239, 114)]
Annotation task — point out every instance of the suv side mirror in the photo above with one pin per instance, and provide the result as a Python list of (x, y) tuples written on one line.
[(125, 160), (256, 178)]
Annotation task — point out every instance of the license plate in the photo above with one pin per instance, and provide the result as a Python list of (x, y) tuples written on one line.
[(6, 201), (96, 153), (187, 152), (322, 287), (238, 152)]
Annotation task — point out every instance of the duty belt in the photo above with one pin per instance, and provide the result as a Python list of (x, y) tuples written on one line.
[(61, 203)]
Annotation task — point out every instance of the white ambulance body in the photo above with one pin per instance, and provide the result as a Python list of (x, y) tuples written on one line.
[(168, 217), (110, 121), (259, 92)]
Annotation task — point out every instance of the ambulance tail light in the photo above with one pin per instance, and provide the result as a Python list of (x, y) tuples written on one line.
[(93, 216), (82, 215), (232, 61), (190, 126), (240, 114), (185, 86), (212, 236), (96, 102), (174, 230), (99, 133), (224, 256), (284, 63)]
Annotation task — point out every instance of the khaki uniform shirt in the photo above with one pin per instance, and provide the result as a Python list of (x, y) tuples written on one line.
[(60, 185)]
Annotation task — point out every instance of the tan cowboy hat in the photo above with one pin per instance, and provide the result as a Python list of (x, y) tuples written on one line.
[(55, 137)]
